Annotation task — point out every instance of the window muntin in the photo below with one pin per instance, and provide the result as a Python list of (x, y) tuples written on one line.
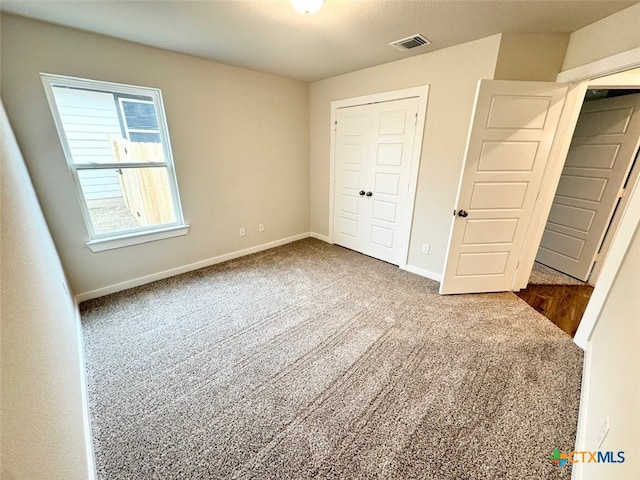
[(140, 120), (117, 147)]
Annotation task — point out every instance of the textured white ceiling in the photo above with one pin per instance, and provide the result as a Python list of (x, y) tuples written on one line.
[(346, 35)]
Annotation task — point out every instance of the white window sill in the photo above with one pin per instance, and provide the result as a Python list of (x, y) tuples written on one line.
[(136, 238)]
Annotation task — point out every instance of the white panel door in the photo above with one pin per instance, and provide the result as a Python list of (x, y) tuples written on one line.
[(374, 149), (352, 155), (604, 144), (511, 133)]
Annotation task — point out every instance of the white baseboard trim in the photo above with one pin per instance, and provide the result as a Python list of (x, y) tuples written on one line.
[(100, 292), (317, 236), (423, 273), (577, 469), (86, 419)]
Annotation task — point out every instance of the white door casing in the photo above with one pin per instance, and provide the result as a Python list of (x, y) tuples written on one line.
[(509, 141), (604, 145), (373, 158)]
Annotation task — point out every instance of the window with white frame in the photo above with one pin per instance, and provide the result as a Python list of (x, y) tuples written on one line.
[(116, 142)]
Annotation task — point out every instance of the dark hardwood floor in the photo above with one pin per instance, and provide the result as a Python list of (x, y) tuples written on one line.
[(564, 305)]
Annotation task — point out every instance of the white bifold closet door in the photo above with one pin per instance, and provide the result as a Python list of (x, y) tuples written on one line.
[(373, 152)]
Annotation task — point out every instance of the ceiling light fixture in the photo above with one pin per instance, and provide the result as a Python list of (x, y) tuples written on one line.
[(307, 7)]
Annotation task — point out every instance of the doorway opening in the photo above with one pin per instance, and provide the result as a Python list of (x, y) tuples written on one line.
[(600, 170)]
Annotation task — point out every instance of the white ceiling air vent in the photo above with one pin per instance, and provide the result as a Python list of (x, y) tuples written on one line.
[(408, 43)]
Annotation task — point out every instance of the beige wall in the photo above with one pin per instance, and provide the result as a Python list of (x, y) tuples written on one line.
[(42, 431), (531, 56), (239, 139), (614, 390), (613, 34), (452, 74)]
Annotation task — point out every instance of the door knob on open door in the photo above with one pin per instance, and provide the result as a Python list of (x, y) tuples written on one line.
[(462, 213)]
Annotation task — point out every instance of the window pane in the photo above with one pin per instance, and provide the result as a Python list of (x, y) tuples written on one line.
[(127, 198), (140, 115), (93, 130), (144, 137), (90, 120), (136, 152)]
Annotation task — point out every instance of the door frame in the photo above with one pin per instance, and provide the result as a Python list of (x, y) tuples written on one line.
[(632, 179), (420, 92)]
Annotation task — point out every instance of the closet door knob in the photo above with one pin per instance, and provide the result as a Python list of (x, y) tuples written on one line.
[(369, 194), (361, 193)]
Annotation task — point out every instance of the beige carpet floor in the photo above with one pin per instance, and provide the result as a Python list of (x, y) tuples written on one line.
[(313, 361), (543, 275)]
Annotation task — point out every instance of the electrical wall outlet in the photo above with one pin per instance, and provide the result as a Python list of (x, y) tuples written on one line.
[(261, 227), (243, 232), (425, 248)]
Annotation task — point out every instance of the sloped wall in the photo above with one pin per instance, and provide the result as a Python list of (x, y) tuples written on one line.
[(614, 392), (43, 433)]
